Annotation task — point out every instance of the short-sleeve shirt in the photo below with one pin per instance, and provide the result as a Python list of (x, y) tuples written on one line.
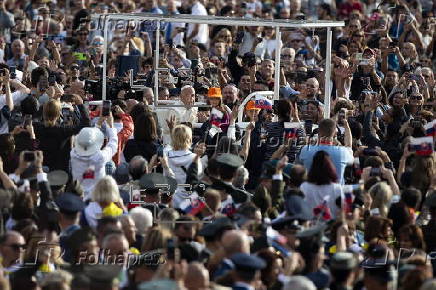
[(341, 156)]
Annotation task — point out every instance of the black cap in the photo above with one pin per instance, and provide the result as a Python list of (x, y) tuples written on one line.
[(230, 160), (296, 208), (286, 223), (316, 231), (69, 203), (211, 229), (57, 178), (246, 262), (343, 261), (158, 180)]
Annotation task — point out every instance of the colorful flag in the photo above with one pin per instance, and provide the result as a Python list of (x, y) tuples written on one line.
[(290, 129), (263, 103), (322, 211), (193, 207), (430, 129), (348, 202), (229, 210), (422, 146)]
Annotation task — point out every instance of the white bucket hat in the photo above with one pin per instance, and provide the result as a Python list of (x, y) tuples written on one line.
[(88, 141)]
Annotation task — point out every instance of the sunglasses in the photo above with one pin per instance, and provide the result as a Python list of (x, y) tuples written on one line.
[(296, 40), (82, 34), (17, 247), (75, 67), (417, 97)]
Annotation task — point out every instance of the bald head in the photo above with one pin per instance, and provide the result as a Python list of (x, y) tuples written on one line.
[(235, 241), (197, 277)]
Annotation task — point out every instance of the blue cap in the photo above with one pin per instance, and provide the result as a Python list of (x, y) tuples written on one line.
[(69, 203), (297, 208), (288, 92), (246, 262)]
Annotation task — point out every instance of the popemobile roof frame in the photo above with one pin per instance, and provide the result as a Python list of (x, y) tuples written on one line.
[(105, 19)]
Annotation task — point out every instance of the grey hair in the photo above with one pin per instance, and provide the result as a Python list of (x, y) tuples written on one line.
[(142, 217), (137, 166), (56, 278), (300, 283), (242, 175)]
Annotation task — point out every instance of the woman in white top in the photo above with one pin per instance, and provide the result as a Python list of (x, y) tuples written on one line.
[(179, 159), (322, 183)]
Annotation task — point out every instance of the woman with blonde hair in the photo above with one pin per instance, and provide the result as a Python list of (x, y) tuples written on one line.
[(381, 194), (180, 158), (54, 134), (106, 201), (155, 238)]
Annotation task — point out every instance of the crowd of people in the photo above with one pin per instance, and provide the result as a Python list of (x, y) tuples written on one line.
[(179, 190)]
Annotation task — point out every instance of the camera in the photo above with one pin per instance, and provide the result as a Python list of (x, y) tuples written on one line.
[(51, 80), (106, 110), (370, 152), (12, 72), (29, 156), (375, 172), (341, 117), (415, 123), (113, 87), (27, 120), (171, 249)]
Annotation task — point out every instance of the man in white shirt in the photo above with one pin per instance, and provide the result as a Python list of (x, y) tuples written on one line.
[(198, 32), (181, 114)]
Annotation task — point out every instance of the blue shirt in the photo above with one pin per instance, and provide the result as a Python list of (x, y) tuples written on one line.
[(341, 156)]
